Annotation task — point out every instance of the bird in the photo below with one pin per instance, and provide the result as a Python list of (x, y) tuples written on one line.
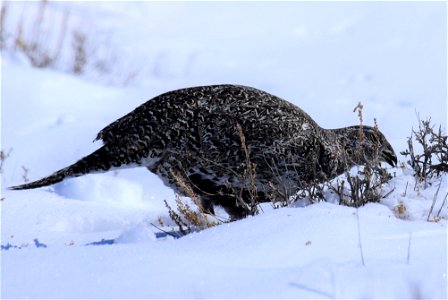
[(229, 144)]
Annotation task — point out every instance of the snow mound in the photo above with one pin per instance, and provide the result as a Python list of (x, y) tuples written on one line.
[(105, 189), (139, 233)]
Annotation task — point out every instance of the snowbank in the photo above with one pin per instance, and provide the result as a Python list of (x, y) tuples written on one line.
[(91, 237)]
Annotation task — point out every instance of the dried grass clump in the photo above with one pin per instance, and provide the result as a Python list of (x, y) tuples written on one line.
[(433, 158), (3, 157), (49, 37), (189, 219), (40, 37)]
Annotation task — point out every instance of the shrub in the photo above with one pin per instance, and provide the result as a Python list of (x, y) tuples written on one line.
[(434, 156)]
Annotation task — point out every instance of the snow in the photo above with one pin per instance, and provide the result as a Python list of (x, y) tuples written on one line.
[(91, 237), (288, 253)]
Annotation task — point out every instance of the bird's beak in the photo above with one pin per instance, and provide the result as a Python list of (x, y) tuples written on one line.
[(390, 157)]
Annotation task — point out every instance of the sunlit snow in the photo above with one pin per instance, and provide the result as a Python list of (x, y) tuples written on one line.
[(91, 237)]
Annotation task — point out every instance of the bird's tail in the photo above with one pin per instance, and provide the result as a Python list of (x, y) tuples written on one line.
[(98, 161)]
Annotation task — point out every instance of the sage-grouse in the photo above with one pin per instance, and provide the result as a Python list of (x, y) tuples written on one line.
[(225, 142)]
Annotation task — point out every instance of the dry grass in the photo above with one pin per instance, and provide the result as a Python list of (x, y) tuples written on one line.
[(25, 174), (79, 47), (189, 219), (367, 185), (248, 177), (433, 158), (3, 157), (50, 38), (33, 38), (3, 10), (430, 161)]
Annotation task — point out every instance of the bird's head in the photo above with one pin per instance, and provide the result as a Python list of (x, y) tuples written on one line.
[(366, 144)]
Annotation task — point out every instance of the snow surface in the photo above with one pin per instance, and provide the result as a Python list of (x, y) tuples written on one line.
[(324, 57)]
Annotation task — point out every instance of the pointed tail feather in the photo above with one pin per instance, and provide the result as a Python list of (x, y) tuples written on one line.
[(52, 179), (98, 161)]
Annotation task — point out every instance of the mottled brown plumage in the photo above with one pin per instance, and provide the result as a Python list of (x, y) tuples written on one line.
[(193, 132)]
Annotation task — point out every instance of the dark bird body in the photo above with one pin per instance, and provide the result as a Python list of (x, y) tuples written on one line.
[(193, 134)]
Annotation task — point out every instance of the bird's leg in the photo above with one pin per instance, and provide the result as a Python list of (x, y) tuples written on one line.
[(230, 204), (207, 206)]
